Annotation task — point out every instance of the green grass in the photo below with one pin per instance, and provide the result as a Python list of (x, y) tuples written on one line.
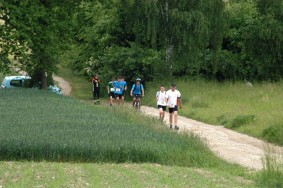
[(38, 125), (100, 147), (256, 110), (47, 174), (81, 87)]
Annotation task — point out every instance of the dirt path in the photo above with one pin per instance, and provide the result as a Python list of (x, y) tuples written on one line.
[(64, 85), (227, 144)]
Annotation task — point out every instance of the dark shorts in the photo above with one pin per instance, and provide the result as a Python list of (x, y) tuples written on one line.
[(171, 110), (137, 95), (118, 96), (163, 107), (111, 94), (123, 94)]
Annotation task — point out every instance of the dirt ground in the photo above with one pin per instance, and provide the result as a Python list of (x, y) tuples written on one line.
[(230, 145), (64, 85)]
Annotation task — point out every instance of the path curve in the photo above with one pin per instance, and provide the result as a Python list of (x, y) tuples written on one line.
[(230, 145), (227, 144)]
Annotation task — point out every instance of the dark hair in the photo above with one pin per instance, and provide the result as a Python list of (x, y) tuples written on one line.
[(173, 85), (161, 85)]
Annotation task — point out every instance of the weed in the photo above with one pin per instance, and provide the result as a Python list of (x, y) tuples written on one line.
[(272, 174)]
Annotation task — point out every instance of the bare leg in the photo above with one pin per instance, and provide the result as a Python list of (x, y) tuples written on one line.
[(175, 117), (170, 118)]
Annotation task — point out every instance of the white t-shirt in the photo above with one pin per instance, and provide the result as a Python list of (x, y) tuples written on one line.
[(161, 98), (172, 97)]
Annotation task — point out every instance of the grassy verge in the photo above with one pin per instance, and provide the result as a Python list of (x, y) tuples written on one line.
[(46, 174), (254, 110), (272, 174)]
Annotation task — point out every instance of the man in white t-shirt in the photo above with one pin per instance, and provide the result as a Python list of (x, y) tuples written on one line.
[(161, 102), (173, 100)]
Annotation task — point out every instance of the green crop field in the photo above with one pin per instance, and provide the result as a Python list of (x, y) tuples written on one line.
[(39, 126)]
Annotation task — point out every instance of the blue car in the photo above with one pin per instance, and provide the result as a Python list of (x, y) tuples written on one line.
[(15, 81)]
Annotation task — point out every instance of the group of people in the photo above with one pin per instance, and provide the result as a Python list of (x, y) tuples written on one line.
[(116, 89), (170, 99)]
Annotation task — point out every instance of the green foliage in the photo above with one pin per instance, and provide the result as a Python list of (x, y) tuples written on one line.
[(241, 120), (169, 36), (255, 39), (273, 134), (37, 125), (33, 33)]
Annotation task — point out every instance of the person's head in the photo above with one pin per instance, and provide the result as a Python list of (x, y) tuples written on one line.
[(138, 81), (162, 88), (173, 87), (122, 78), (119, 78), (96, 76)]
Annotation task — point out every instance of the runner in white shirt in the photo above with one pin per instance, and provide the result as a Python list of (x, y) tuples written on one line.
[(173, 99), (161, 102)]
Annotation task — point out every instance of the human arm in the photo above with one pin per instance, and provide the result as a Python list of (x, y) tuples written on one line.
[(131, 92), (180, 102), (108, 89)]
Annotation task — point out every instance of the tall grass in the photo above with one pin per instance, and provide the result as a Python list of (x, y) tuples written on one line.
[(272, 174), (38, 125), (255, 110)]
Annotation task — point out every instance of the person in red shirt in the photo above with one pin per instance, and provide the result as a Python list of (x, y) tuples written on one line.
[(96, 88)]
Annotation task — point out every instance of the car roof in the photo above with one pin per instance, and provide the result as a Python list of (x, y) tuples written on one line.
[(16, 77)]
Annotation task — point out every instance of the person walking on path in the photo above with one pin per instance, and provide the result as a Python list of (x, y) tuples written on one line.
[(173, 100), (137, 91), (96, 88), (161, 102), (111, 91), (118, 86), (124, 85)]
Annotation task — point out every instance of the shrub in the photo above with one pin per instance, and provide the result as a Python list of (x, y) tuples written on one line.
[(273, 134), (241, 120)]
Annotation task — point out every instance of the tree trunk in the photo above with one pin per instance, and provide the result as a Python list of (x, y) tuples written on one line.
[(43, 78)]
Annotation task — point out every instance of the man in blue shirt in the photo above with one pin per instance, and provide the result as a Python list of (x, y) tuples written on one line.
[(118, 86), (137, 91)]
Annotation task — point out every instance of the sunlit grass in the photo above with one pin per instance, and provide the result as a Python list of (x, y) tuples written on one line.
[(248, 109)]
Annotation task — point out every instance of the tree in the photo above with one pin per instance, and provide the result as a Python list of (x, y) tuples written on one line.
[(33, 32), (253, 43)]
